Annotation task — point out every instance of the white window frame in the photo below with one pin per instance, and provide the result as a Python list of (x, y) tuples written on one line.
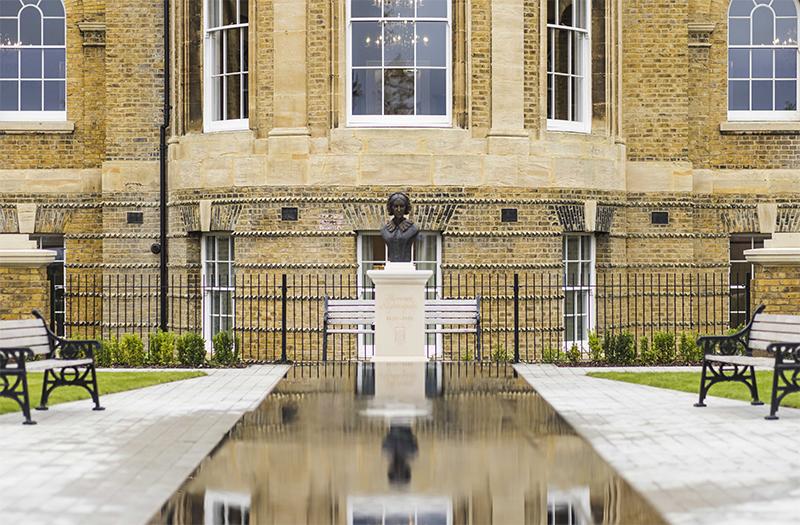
[(399, 121), (215, 498), (209, 102), (578, 503), (210, 287), (38, 116), (584, 125), (383, 504), (589, 304), (365, 349), (761, 115)]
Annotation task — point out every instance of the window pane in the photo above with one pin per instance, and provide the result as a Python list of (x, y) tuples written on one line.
[(551, 11), (784, 7), (399, 96), (55, 65), (367, 92), (573, 248), (569, 329), (763, 30), (762, 95), (31, 95), (739, 31), (565, 12), (739, 95), (213, 13), (223, 249), (8, 31), (560, 61), (741, 7), (785, 63), (210, 248), (216, 54), (365, 8), (243, 14), (432, 8), (9, 7), (233, 86), (245, 97), (54, 32), (580, 14), (9, 63), (31, 63), (54, 95), (425, 249), (224, 274), (586, 247), (399, 45), (577, 99), (569, 302), (785, 95), (739, 63), (431, 44), (51, 8), (366, 44), (233, 57), (398, 7), (431, 92), (573, 273), (30, 27), (218, 98), (786, 29), (245, 49), (229, 12), (561, 96), (9, 91), (762, 63)]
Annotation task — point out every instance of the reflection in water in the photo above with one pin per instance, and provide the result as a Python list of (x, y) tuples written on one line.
[(439, 444)]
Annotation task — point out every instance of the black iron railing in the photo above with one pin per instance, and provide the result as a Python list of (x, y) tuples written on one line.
[(524, 316)]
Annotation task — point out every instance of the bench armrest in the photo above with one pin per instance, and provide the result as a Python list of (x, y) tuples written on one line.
[(735, 344), (18, 354), (785, 354), (76, 349)]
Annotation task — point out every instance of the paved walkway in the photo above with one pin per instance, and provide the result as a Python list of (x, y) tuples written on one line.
[(719, 464), (119, 466)]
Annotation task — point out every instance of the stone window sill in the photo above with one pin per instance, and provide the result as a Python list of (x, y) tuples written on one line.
[(27, 128), (759, 128)]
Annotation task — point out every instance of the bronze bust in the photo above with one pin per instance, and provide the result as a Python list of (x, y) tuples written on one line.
[(399, 233)]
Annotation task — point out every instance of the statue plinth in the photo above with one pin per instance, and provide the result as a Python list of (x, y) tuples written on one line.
[(399, 312)]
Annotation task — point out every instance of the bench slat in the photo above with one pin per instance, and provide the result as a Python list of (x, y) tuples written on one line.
[(759, 345), (763, 362), (778, 318), (24, 341), (776, 327), (776, 337), (22, 332), (21, 323)]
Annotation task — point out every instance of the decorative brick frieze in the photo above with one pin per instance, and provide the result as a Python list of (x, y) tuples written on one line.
[(571, 218)]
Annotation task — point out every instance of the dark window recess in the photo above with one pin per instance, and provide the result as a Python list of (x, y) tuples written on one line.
[(289, 214), (508, 215), (135, 217), (659, 217)]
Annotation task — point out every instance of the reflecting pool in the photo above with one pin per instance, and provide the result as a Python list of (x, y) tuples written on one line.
[(411, 444)]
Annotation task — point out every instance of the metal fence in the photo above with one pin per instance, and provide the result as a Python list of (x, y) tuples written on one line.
[(524, 316)]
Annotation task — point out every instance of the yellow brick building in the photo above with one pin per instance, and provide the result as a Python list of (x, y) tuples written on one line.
[(626, 138)]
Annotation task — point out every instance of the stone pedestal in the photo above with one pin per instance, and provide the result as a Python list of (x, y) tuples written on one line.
[(399, 312), (23, 277), (776, 278)]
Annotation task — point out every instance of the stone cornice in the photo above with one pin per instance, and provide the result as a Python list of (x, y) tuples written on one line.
[(775, 256), (30, 258)]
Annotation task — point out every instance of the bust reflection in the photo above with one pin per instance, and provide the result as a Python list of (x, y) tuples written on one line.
[(399, 233)]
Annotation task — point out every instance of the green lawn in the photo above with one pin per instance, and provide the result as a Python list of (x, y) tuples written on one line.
[(109, 383), (690, 382)]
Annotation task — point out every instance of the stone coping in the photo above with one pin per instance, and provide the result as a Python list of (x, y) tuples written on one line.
[(21, 127), (761, 128), (789, 256), (21, 258)]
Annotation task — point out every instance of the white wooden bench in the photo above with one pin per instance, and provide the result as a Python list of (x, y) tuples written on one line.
[(730, 358), (64, 362), (442, 316)]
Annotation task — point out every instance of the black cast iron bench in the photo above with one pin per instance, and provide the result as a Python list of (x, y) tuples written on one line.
[(442, 316), (730, 358), (64, 362)]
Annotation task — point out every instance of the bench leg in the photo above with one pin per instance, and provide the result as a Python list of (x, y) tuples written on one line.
[(775, 402), (95, 391), (703, 387), (753, 385), (785, 381), (26, 402), (48, 384)]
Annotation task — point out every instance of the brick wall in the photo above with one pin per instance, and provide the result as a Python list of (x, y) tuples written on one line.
[(778, 287), (23, 289)]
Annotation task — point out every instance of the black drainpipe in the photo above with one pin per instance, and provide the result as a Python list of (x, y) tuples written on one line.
[(164, 216)]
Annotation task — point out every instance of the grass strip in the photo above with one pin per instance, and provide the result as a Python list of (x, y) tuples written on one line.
[(690, 382), (108, 382)]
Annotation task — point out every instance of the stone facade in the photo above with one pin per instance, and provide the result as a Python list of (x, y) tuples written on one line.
[(659, 141)]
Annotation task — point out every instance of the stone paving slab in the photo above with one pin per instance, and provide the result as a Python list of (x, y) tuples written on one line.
[(119, 466), (719, 464)]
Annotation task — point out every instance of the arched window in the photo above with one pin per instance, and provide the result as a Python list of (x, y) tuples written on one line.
[(762, 60)]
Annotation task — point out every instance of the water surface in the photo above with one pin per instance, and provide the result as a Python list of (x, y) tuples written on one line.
[(411, 444)]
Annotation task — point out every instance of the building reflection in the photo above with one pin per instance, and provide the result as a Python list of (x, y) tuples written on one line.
[(490, 450)]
